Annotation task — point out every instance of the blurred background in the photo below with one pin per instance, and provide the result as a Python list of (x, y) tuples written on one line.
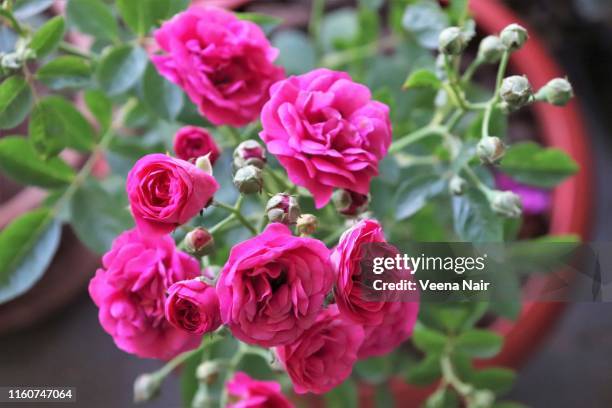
[(59, 341)]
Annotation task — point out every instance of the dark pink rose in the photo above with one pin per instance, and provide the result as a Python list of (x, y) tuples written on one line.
[(224, 64), (165, 192), (193, 306), (535, 200), (191, 142), (273, 286), (130, 291), (323, 357), (326, 131), (249, 393)]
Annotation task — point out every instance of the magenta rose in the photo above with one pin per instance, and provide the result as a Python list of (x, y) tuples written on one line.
[(323, 357), (224, 64), (273, 286), (246, 392), (191, 142), (165, 192), (193, 306), (130, 291), (326, 131)]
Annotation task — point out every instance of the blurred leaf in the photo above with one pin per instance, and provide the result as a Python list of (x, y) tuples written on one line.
[(48, 36), (23, 9), (475, 221), (338, 28), (65, 72), (141, 15), (297, 53), (425, 372), (479, 343), (19, 160), (121, 68), (458, 11), (375, 370), (266, 22), (189, 382), (93, 17), (532, 164), (98, 216), (100, 106), (15, 101), (422, 78), (27, 246), (428, 340), (498, 125), (496, 379), (55, 123), (343, 396), (160, 95), (412, 195), (452, 317), (372, 4), (425, 20)]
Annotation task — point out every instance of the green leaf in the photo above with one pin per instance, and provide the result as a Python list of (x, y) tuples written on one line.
[(24, 9), (15, 101), (189, 382), (100, 106), (425, 372), (425, 20), (98, 216), (428, 340), (474, 219), (532, 164), (496, 379), (21, 162), (65, 72), (27, 246), (160, 95), (375, 370), (46, 39), (343, 396), (339, 28), (121, 68), (422, 78), (141, 15), (297, 53), (412, 195), (55, 124), (479, 343), (93, 17)]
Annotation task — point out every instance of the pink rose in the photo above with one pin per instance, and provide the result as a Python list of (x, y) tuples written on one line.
[(224, 64), (165, 192), (250, 393), (323, 357), (327, 132), (388, 322), (193, 306), (191, 142), (273, 286), (130, 291)]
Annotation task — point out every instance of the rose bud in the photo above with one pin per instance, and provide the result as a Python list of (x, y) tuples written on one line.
[(457, 185), (199, 242), (516, 91), (452, 41), (350, 203), (249, 180), (506, 203), (283, 208), (490, 150), (307, 224), (514, 37), (191, 142), (208, 371), (193, 306), (491, 49), (146, 387), (248, 153), (557, 92)]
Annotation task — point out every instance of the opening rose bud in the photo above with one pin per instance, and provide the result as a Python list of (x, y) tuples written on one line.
[(283, 208), (199, 242), (350, 203), (307, 224), (506, 203), (193, 306), (249, 153), (490, 150)]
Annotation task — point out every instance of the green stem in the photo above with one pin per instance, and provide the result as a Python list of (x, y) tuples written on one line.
[(474, 178), (451, 378), (471, 70), (486, 122), (416, 136), (222, 224), (71, 49), (235, 210)]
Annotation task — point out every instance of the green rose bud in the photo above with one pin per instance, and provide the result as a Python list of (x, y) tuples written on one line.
[(208, 371), (146, 387), (516, 91), (249, 180), (307, 224), (452, 41), (490, 150), (283, 208), (514, 37), (491, 49), (506, 203), (249, 153), (557, 92)]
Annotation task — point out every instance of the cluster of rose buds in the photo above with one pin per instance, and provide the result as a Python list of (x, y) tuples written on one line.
[(249, 161)]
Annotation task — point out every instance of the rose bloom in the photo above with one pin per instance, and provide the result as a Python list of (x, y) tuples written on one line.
[(193, 306), (165, 192), (273, 286), (224, 64), (323, 357), (249, 393), (130, 291), (191, 142), (327, 132)]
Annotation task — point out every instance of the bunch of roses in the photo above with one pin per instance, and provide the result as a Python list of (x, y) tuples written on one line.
[(328, 133)]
